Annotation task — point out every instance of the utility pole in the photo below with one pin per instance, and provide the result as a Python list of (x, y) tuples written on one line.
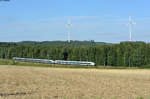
[(48, 56)]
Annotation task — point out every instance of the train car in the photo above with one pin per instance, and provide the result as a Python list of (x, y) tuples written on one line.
[(84, 63), (33, 60), (47, 61)]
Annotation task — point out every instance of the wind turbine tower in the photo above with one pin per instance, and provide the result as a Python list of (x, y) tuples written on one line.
[(131, 22), (69, 28)]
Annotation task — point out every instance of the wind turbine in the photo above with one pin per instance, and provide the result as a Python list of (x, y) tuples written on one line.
[(69, 27), (131, 22)]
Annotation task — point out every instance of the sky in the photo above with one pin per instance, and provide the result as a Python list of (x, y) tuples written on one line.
[(98, 20)]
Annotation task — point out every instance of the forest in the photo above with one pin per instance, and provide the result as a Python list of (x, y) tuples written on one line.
[(128, 54)]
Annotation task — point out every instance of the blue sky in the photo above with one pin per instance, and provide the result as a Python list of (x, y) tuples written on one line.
[(99, 20)]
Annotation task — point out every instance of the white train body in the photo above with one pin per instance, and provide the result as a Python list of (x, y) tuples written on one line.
[(33, 60), (47, 61), (84, 63)]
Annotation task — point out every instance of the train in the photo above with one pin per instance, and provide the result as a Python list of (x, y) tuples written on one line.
[(48, 61)]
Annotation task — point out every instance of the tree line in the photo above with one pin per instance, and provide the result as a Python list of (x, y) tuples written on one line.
[(127, 54), (62, 43)]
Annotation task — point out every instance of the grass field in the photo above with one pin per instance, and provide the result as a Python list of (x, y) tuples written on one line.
[(64, 83)]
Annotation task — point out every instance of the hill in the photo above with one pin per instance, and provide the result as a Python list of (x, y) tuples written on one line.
[(62, 43), (55, 43)]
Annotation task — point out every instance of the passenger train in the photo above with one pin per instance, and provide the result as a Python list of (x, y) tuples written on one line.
[(47, 61)]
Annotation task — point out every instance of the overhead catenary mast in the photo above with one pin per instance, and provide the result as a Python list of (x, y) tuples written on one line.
[(130, 27), (69, 28)]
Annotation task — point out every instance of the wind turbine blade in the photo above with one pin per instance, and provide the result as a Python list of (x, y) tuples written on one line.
[(134, 23), (66, 25), (126, 25), (137, 24)]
